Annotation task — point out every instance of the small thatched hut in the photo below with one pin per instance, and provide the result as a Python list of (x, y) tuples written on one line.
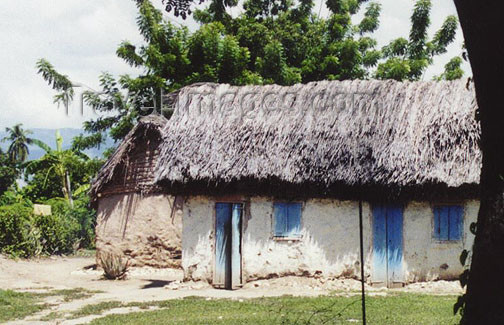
[(136, 217), (271, 178)]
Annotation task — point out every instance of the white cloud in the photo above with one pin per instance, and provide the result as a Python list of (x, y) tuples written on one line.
[(80, 39)]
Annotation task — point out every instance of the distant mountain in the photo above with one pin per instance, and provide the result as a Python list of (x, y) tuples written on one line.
[(48, 136)]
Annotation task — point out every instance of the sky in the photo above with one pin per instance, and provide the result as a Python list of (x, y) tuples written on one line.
[(80, 38)]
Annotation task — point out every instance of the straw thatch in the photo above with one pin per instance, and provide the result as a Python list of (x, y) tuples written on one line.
[(131, 166), (322, 139)]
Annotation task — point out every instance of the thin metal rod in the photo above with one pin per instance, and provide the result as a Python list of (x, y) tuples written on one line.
[(363, 290)]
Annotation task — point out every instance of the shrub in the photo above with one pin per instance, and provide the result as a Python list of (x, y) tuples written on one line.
[(81, 218), (13, 197), (19, 236), (86, 219), (23, 234), (58, 234), (114, 265)]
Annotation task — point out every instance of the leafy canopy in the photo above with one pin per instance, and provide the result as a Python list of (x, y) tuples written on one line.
[(271, 41)]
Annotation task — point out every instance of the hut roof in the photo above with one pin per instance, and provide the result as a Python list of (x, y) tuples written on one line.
[(321, 136), (147, 129)]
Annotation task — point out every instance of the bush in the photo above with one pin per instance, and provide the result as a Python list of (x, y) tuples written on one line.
[(81, 218), (19, 236), (13, 197), (58, 234), (23, 234), (114, 265)]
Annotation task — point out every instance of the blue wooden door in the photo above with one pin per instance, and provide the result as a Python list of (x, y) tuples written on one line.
[(222, 244), (387, 245), (227, 271), (236, 245)]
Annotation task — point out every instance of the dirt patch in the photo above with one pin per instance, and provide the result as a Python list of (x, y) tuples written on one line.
[(151, 284)]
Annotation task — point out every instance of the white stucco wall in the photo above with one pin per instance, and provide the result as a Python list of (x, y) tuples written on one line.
[(329, 246), (425, 258), (197, 238)]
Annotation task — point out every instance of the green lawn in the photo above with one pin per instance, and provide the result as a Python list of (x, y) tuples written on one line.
[(14, 305), (391, 309), (17, 305)]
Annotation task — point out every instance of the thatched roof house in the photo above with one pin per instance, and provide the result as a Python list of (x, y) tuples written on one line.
[(323, 137), (270, 176), (131, 166)]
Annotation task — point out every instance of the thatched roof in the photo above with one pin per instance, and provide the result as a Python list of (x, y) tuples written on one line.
[(131, 166), (402, 135)]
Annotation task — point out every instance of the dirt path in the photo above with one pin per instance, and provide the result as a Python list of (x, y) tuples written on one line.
[(148, 284)]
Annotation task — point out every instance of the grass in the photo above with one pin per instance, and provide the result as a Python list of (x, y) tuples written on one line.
[(390, 309), (394, 308), (95, 309), (14, 305), (18, 305), (69, 294)]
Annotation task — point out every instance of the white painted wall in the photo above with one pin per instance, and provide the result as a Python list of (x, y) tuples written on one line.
[(425, 258), (198, 238), (329, 246)]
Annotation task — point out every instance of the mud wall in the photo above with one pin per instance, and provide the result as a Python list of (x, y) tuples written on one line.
[(145, 228), (329, 246)]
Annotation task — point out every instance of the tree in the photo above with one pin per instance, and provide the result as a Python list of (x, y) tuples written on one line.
[(453, 70), (482, 26), (407, 59), (18, 149), (8, 172), (58, 172), (272, 41)]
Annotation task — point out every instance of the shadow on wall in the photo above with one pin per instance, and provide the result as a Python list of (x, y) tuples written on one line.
[(122, 205)]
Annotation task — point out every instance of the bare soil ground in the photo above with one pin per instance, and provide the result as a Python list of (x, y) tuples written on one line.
[(148, 284)]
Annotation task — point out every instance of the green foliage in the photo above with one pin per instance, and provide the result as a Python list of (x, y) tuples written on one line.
[(57, 81), (59, 172), (459, 306), (370, 21), (57, 233), (271, 41), (453, 70), (19, 140), (8, 172), (18, 235), (23, 234), (13, 197), (408, 59), (79, 222)]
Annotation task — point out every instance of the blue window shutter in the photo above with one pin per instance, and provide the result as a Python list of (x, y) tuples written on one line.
[(437, 226), (280, 211), (448, 221), (444, 222), (294, 220), (456, 216)]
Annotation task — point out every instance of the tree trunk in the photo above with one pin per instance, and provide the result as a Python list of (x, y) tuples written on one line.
[(483, 26)]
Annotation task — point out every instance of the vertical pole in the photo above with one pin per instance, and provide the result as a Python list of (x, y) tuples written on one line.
[(363, 299)]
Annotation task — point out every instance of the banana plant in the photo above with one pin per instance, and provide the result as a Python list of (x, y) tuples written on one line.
[(58, 162)]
